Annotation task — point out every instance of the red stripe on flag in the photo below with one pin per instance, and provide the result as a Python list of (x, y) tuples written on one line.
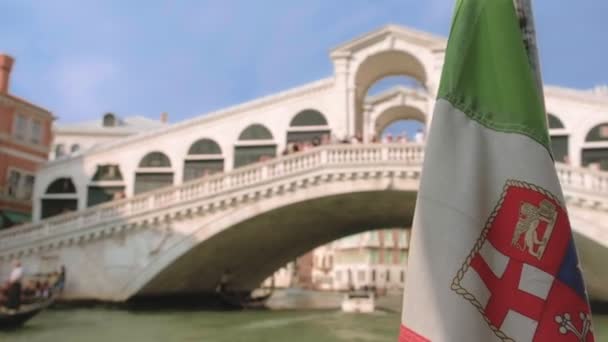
[(408, 335)]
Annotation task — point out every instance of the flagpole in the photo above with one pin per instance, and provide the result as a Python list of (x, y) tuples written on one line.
[(523, 9)]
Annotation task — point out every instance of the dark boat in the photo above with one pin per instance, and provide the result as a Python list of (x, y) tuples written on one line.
[(11, 319), (246, 300), (30, 307)]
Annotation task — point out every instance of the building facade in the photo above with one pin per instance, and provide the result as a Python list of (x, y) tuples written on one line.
[(375, 259), (25, 136), (70, 139)]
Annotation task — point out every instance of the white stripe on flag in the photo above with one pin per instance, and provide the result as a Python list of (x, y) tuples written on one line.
[(519, 327), (535, 281), (495, 259), (473, 283)]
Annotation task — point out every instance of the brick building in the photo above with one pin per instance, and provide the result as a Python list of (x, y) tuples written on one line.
[(25, 138)]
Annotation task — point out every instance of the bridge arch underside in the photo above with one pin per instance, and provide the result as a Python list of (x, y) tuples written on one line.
[(255, 248)]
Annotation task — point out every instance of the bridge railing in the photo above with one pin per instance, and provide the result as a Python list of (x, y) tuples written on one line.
[(582, 179), (572, 179), (357, 154)]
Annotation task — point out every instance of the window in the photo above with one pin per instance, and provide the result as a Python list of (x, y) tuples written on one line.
[(388, 275), (20, 127), (107, 172), (13, 183), (59, 151), (75, 148), (155, 159), (402, 276), (20, 185), (109, 120), (36, 136)]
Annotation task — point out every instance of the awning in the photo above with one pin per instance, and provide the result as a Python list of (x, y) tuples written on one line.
[(10, 218)]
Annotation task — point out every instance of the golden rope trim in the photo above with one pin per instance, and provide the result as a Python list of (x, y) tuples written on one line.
[(457, 287)]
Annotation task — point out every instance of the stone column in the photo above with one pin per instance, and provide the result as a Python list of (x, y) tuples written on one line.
[(343, 95)]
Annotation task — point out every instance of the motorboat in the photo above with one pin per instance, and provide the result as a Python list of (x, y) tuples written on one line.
[(359, 301)]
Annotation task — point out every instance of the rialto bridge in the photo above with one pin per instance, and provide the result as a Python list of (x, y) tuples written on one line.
[(167, 211)]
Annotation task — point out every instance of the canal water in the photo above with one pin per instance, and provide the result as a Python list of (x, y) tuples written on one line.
[(297, 316), (105, 325)]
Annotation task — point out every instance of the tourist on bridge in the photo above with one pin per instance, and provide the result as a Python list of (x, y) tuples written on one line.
[(419, 137)]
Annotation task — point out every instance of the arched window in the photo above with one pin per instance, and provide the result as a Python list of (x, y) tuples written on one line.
[(61, 186), (598, 133), (255, 144), (205, 146), (309, 126), (308, 117), (106, 185), (109, 120), (255, 132), (597, 155), (155, 159), (559, 141), (204, 158), (554, 121), (154, 172), (59, 150), (60, 197)]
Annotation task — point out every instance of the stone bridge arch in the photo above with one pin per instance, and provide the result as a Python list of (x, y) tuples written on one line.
[(283, 227)]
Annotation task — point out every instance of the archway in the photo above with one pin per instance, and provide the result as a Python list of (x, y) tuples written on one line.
[(60, 197), (106, 185), (255, 144), (154, 172), (595, 149), (308, 126), (379, 66), (559, 139), (401, 124), (204, 158)]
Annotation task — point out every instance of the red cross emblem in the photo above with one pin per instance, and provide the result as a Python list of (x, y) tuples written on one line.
[(522, 274)]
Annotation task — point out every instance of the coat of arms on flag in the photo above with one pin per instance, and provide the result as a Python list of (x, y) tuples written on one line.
[(522, 274)]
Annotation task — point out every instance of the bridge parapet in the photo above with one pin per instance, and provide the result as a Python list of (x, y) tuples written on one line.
[(213, 187), (582, 187)]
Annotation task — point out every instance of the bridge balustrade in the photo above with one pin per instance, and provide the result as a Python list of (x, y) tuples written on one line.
[(573, 180)]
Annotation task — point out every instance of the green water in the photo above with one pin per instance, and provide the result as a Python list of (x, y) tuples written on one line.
[(101, 325)]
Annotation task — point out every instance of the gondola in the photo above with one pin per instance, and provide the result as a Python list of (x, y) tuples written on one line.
[(11, 319), (15, 318), (246, 300)]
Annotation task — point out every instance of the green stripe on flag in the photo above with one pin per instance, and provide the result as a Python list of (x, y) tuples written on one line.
[(486, 72)]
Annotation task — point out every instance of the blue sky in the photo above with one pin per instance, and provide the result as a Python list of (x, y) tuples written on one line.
[(83, 58)]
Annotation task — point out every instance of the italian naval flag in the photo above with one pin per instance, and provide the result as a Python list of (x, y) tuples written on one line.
[(492, 256)]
